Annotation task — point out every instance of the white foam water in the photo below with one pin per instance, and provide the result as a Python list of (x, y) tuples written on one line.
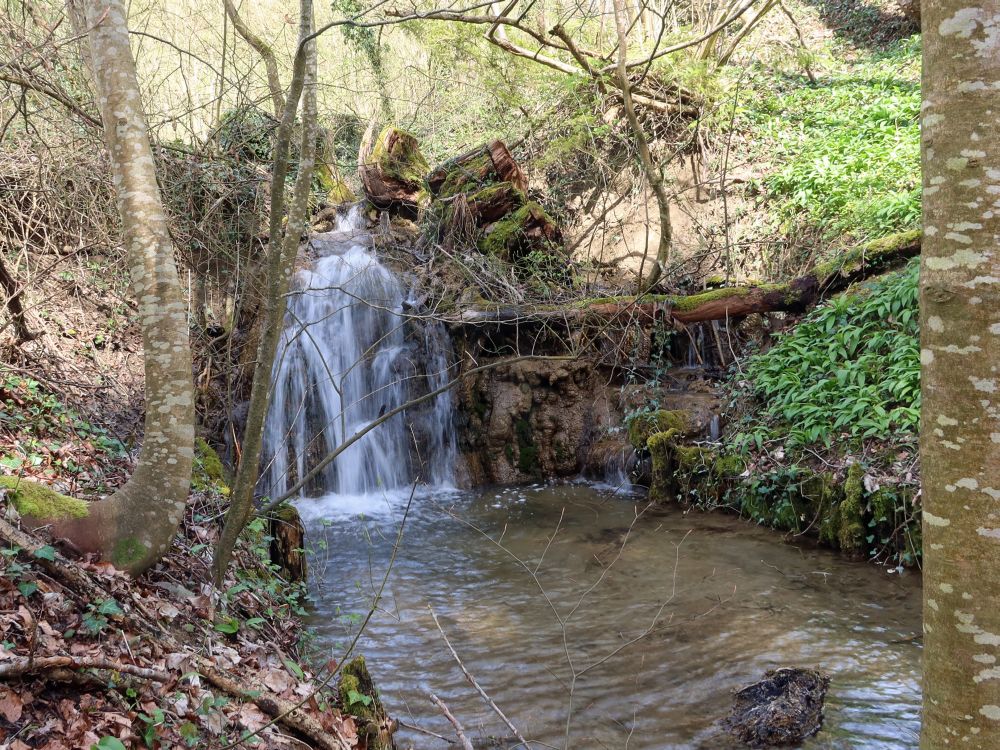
[(348, 356)]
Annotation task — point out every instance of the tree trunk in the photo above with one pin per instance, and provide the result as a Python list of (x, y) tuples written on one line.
[(960, 381), (282, 249), (266, 54), (134, 527)]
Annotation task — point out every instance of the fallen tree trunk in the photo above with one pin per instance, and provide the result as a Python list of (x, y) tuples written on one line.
[(726, 303)]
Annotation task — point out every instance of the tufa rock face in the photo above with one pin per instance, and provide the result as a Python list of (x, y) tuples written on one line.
[(533, 419)]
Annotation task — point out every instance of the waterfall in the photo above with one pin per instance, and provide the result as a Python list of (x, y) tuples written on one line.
[(348, 356)]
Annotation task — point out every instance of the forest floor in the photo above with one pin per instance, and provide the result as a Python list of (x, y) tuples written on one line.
[(91, 658)]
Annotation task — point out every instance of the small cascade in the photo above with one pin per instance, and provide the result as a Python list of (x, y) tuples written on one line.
[(349, 356)]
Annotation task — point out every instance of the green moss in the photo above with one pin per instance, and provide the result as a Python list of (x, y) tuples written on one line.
[(340, 193), (356, 691), (642, 426), (127, 552), (403, 161), (492, 193), (851, 532), (728, 466), (465, 177), (527, 451), (893, 242), (662, 446), (208, 471), (869, 254), (41, 502), (694, 458), (694, 301), (508, 234)]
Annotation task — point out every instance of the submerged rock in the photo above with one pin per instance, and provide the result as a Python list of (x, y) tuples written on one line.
[(784, 708)]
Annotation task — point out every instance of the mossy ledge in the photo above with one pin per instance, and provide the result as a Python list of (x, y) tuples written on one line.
[(39, 501), (833, 507)]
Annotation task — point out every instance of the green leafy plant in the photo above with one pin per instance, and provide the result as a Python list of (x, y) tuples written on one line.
[(850, 370), (847, 149)]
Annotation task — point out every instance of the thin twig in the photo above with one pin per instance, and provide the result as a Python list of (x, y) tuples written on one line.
[(476, 685), (459, 730)]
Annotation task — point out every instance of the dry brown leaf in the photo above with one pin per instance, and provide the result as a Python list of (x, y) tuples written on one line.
[(278, 680), (11, 705)]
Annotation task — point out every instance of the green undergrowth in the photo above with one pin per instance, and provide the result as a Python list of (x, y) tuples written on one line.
[(848, 372), (825, 422), (845, 152), (41, 436)]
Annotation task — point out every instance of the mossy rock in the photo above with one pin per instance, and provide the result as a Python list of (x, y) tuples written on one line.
[(851, 532), (642, 426), (662, 447), (41, 502), (728, 466)]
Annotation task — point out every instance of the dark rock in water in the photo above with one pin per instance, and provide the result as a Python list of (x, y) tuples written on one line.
[(782, 709)]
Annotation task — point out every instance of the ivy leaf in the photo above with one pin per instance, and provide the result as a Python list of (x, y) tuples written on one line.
[(27, 588), (108, 743), (355, 697), (46, 553)]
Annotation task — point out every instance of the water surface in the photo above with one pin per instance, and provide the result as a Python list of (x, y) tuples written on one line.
[(660, 615)]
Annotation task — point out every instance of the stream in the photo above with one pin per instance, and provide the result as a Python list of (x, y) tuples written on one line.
[(663, 615), (591, 620)]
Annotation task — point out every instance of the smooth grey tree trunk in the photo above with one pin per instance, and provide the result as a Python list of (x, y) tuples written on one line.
[(135, 525), (960, 375)]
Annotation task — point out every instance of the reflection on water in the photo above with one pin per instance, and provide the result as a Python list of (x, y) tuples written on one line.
[(534, 585)]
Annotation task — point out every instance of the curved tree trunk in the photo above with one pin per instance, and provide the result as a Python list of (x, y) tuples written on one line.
[(960, 376), (134, 527)]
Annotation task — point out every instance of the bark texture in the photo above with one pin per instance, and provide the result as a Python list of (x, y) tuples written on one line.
[(393, 171), (282, 249), (134, 527), (960, 377)]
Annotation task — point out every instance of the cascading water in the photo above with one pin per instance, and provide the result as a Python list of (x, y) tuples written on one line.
[(348, 356)]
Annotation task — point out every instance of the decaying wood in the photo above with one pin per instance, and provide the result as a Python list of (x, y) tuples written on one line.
[(475, 171), (392, 170), (727, 303), (288, 536)]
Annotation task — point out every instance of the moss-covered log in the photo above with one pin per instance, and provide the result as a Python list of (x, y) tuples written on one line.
[(727, 303), (393, 170), (475, 169), (518, 233), (359, 699)]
